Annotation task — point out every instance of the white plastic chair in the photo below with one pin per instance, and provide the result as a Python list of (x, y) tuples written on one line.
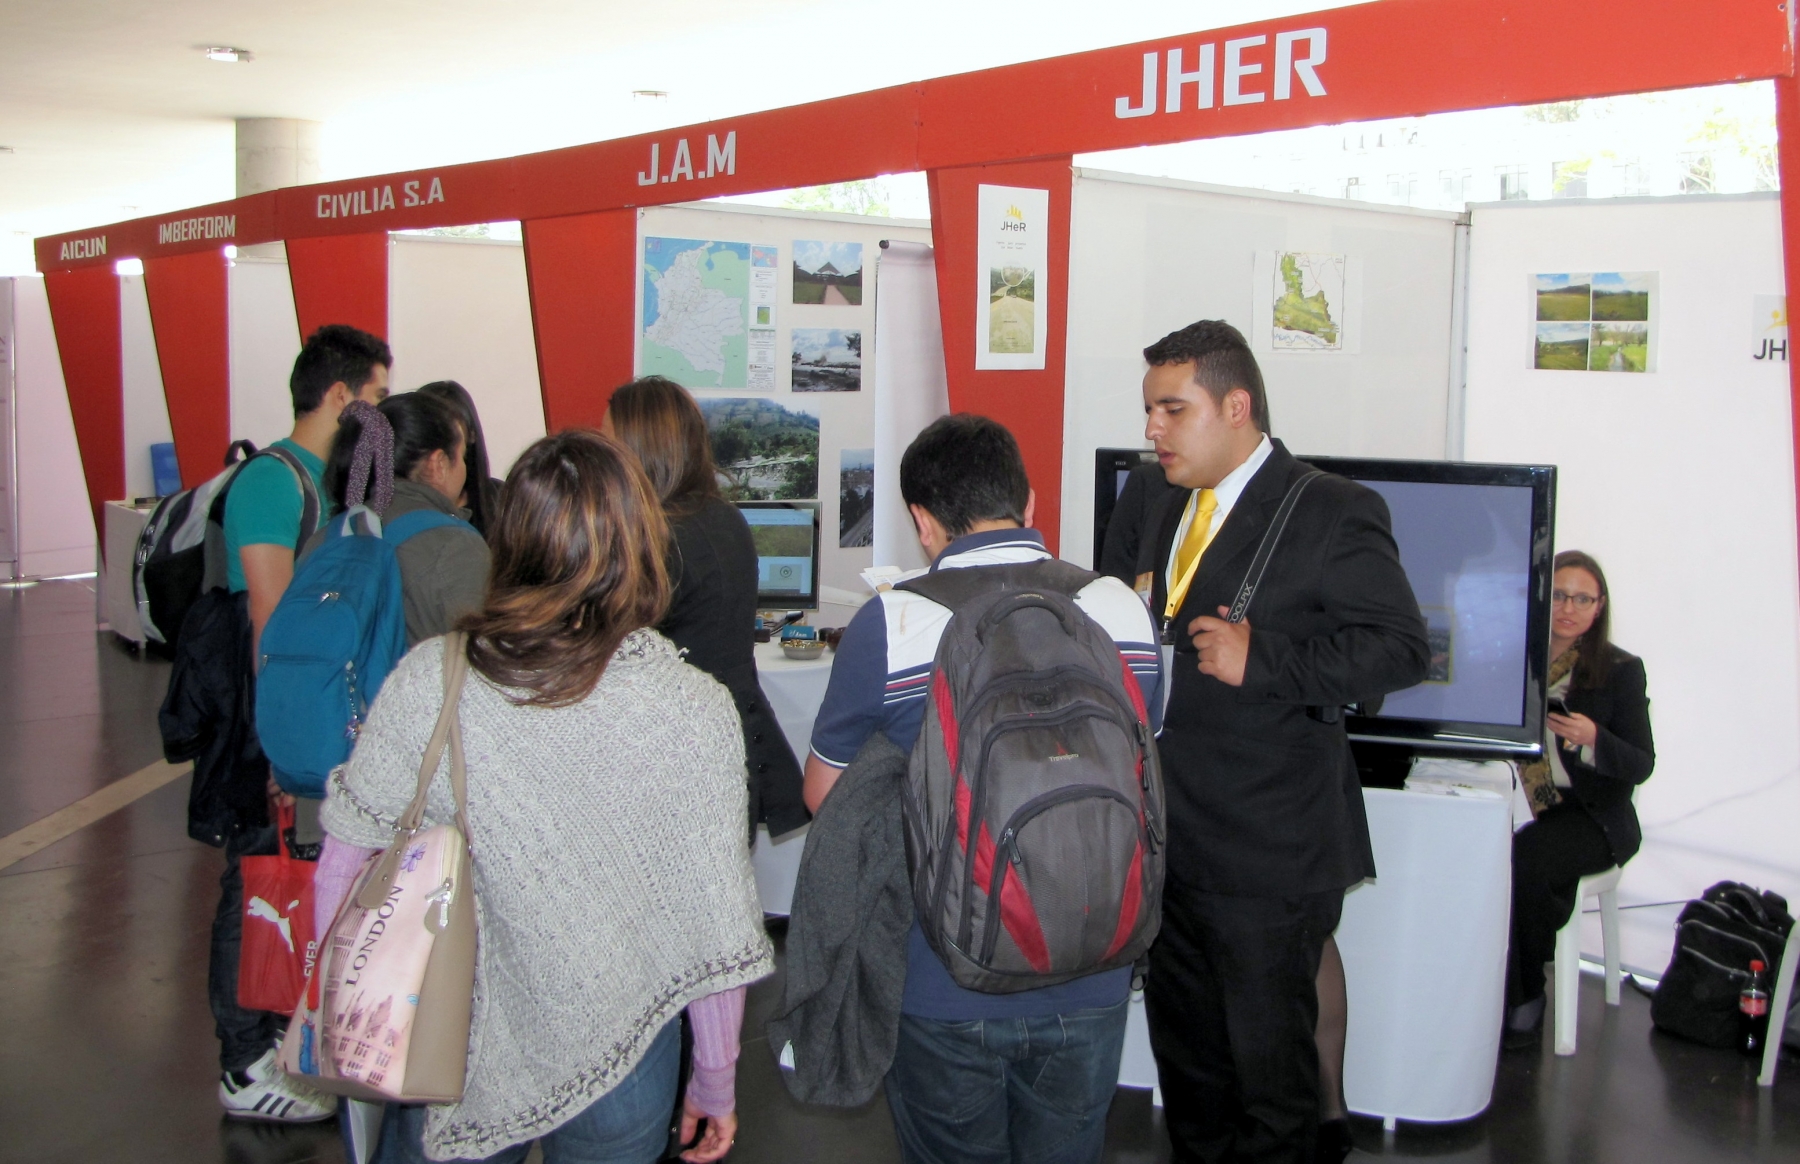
[(1778, 1007), (1605, 886)]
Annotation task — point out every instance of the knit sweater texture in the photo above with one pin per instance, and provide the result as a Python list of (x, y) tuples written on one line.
[(612, 883)]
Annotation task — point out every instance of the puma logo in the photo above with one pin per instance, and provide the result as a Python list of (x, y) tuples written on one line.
[(262, 909)]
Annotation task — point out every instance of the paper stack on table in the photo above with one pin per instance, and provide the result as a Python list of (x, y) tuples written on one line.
[(1494, 779)]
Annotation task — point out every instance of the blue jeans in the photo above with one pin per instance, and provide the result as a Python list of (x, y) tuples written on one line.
[(1006, 1091), (627, 1125)]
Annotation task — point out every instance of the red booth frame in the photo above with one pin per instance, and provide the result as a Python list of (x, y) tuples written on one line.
[(1019, 125)]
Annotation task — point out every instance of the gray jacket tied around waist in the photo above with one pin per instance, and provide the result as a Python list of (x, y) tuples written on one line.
[(846, 944)]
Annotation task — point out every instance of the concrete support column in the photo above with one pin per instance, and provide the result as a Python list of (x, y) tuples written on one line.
[(273, 152)]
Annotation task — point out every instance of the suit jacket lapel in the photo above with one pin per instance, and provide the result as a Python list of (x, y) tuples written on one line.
[(1244, 526)]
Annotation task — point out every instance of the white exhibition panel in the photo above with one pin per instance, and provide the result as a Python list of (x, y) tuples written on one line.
[(460, 309), (1681, 482), (145, 406), (56, 526), (264, 337), (912, 389), (1150, 255), (846, 419)]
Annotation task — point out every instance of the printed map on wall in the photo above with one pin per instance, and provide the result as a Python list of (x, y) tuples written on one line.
[(1308, 303), (696, 312)]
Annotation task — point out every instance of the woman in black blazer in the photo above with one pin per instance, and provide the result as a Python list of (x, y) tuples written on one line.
[(712, 615), (1595, 756)]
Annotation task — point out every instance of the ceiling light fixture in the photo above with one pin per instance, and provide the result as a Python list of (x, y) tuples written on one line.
[(7, 150), (230, 56), (649, 94)]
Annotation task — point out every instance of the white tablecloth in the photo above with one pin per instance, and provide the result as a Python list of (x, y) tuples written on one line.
[(794, 691), (1424, 950), (1424, 945)]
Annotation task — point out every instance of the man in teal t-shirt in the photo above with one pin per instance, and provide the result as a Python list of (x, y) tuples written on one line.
[(263, 514), (264, 509)]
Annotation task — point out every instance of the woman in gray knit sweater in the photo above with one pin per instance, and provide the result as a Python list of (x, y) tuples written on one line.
[(606, 807)]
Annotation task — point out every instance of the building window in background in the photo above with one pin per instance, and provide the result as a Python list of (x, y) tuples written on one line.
[(1632, 179), (1353, 188), (1569, 179), (1764, 175), (1402, 188), (1697, 176), (1513, 183), (1454, 185)]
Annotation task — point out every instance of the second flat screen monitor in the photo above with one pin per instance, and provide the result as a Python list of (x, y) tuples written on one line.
[(787, 552)]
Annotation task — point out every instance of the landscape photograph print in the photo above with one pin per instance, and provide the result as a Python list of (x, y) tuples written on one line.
[(827, 359), (828, 273), (1561, 347), (1597, 322), (764, 450), (856, 498)]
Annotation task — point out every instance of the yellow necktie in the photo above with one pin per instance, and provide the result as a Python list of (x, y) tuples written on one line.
[(1187, 557)]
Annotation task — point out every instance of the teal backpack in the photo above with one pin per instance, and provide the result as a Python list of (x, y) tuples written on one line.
[(336, 633)]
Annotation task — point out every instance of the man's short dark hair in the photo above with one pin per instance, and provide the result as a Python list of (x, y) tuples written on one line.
[(965, 469), (1222, 361), (336, 353)]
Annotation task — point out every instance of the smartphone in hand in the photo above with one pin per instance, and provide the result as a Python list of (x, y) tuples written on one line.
[(1557, 706)]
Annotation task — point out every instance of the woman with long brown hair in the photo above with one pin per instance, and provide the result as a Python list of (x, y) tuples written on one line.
[(605, 808), (1597, 749), (712, 565)]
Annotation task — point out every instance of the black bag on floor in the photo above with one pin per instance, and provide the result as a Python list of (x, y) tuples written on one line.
[(1717, 936)]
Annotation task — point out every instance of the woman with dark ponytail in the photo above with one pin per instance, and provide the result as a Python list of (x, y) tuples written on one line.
[(405, 455), (481, 490)]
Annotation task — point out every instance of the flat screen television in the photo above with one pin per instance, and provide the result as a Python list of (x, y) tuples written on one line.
[(786, 534), (1476, 542), (1111, 467)]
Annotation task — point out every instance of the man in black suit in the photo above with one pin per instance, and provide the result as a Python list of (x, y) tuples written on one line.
[(1266, 824)]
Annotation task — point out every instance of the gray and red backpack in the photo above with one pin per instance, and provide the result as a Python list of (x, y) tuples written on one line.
[(1034, 804)]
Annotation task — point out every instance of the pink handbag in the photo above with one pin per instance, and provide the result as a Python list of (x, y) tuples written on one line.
[(385, 1016)]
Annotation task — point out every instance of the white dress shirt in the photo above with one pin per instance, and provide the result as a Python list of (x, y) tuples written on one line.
[(1225, 496)]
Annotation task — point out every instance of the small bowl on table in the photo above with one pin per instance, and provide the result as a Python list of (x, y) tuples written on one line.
[(803, 650)]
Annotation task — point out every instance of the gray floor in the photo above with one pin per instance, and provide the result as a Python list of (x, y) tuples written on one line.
[(106, 1046)]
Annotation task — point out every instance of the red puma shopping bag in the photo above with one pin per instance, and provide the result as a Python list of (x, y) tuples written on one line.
[(278, 943)]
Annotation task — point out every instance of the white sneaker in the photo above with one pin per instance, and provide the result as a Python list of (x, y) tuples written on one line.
[(267, 1093)]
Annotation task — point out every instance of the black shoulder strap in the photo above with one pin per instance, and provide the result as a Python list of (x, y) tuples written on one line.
[(956, 588), (1271, 537), (309, 494)]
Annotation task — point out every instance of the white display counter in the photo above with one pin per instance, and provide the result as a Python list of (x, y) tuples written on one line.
[(1424, 948), (118, 603), (1424, 945), (794, 691)]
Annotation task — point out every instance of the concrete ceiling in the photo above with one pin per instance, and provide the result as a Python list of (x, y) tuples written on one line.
[(111, 110), (108, 105)]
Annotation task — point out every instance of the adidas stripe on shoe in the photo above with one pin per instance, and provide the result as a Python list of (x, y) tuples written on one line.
[(263, 1092)]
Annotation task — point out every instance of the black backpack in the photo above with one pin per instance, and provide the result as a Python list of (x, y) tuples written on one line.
[(1717, 936), (181, 551), (1034, 802)]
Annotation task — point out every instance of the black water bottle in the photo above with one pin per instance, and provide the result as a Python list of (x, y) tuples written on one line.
[(1753, 1013)]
